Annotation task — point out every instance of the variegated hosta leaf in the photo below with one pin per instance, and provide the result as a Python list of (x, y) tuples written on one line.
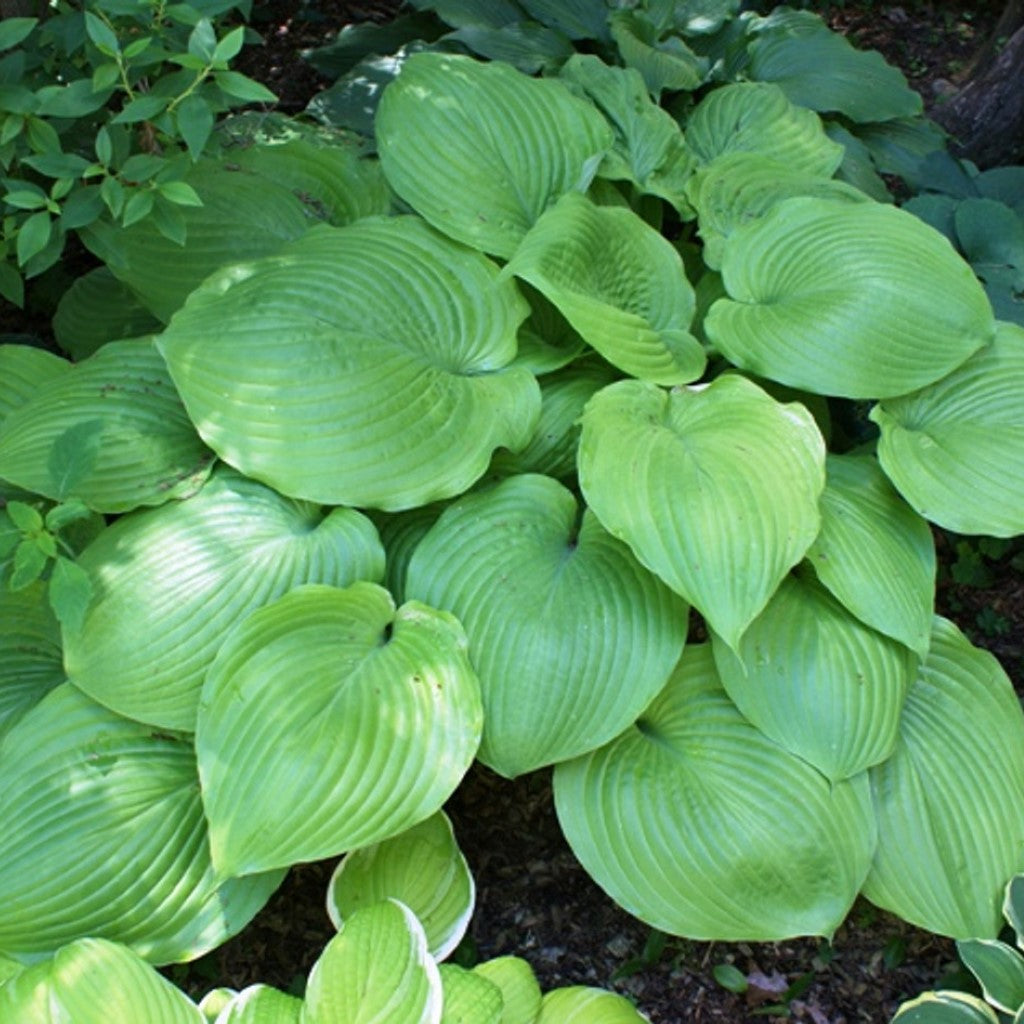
[(999, 969), (860, 300), (552, 450), (1013, 907), (469, 998), (422, 867), (261, 1004), (520, 991), (30, 653), (950, 801), (619, 283), (581, 1004), (243, 217), (216, 1000), (955, 449), (111, 431), (697, 823), (481, 150), (169, 583), (330, 721), (945, 1008), (874, 553), (715, 488), (737, 188), (818, 681), (753, 117), (106, 837), (376, 970), (558, 613), (98, 308), (365, 365)]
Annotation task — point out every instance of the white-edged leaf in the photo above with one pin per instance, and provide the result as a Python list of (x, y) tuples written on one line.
[(261, 1004), (999, 969), (945, 1008), (330, 721), (698, 824)]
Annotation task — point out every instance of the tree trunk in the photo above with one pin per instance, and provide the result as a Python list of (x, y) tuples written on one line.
[(985, 115)]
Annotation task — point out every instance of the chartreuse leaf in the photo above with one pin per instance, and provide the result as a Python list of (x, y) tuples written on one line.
[(818, 681), (580, 1004), (860, 300), (619, 283), (554, 608), (365, 365), (955, 449), (261, 1004), (999, 969), (697, 823), (110, 839), (8, 969), (170, 583), (874, 553), (424, 868), (949, 800), (24, 370), (329, 721), (112, 432), (520, 992), (30, 653), (753, 117), (513, 145), (469, 998), (26, 996), (215, 1001), (715, 488), (376, 970), (945, 1008)]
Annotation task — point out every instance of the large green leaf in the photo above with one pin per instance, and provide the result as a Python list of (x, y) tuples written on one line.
[(619, 283), (752, 117), (664, 62), (169, 584), (955, 449), (553, 607), (715, 488), (376, 970), (860, 300), (330, 721), (818, 681), (23, 372), (365, 365), (111, 431), (697, 823), (106, 837), (30, 652), (481, 150), (422, 867), (950, 801)]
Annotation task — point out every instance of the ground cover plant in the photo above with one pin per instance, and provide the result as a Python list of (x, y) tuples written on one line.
[(427, 438)]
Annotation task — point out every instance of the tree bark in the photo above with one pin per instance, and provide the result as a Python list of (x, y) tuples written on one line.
[(985, 115)]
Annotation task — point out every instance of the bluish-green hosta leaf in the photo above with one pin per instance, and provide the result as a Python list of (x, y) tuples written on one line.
[(555, 609), (874, 552), (481, 150), (649, 149), (955, 449), (578, 19), (1004, 184), (619, 283), (755, 117), (488, 13), (697, 823), (30, 652), (580, 1004), (24, 371), (94, 981), (945, 1008), (666, 63), (169, 584), (261, 1004), (693, 17), (109, 839), (525, 45), (715, 488), (818, 681), (422, 867), (520, 991), (737, 188), (330, 721), (991, 237), (376, 970), (915, 149), (243, 216), (853, 299), (950, 801), (999, 969), (111, 432), (857, 168), (552, 450), (366, 365), (98, 308), (469, 998)]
